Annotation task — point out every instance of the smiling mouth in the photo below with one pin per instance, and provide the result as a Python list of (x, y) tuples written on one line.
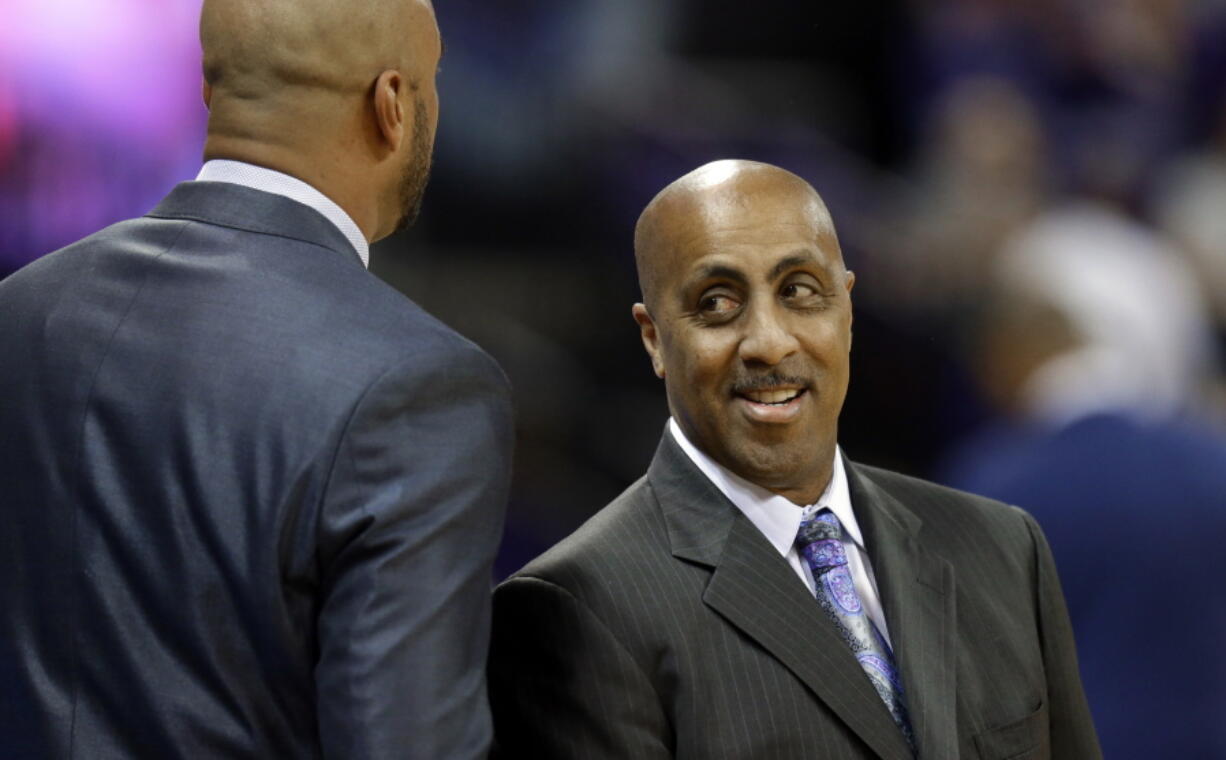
[(774, 396)]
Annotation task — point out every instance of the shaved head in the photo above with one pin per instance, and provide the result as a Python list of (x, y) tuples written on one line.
[(340, 95), (254, 50), (712, 195)]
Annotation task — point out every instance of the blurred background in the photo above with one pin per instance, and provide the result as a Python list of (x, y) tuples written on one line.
[(1031, 192)]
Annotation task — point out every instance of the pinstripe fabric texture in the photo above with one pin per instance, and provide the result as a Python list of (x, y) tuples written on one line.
[(668, 627)]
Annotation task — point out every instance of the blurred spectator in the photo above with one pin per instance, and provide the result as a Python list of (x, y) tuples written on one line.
[(1094, 345), (983, 174), (1190, 205)]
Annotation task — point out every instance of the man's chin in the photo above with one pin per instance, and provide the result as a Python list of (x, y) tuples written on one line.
[(765, 465)]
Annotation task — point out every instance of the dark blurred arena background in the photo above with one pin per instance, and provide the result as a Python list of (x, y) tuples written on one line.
[(1031, 192)]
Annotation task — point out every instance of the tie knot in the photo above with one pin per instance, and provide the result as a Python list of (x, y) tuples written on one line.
[(820, 541)]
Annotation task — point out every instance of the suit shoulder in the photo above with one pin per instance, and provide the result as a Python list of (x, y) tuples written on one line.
[(443, 356), (394, 331), (949, 509), (980, 537), (625, 538), (900, 485), (61, 267), (370, 327), (327, 289)]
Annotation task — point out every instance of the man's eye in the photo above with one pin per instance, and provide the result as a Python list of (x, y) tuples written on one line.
[(717, 304), (798, 290)]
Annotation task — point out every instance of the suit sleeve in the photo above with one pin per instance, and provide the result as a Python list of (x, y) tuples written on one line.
[(563, 687), (411, 519), (1071, 727)]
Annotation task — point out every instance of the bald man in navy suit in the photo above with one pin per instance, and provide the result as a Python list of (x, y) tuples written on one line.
[(249, 494)]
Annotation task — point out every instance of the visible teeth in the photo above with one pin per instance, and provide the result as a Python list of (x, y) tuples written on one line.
[(772, 397)]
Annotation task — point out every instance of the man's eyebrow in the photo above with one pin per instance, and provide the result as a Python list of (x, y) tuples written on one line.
[(796, 259), (720, 271)]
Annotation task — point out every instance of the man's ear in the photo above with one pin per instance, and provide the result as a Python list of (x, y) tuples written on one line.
[(206, 92), (651, 338), (389, 114), (848, 282)]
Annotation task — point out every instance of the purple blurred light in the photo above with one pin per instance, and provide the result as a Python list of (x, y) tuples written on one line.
[(128, 65), (100, 114)]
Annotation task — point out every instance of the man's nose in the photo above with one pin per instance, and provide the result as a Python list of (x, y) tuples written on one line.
[(768, 339)]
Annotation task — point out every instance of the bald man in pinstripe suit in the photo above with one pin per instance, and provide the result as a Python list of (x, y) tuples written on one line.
[(757, 594)]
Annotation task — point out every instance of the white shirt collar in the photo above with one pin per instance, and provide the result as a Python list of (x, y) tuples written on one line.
[(777, 518), (272, 181)]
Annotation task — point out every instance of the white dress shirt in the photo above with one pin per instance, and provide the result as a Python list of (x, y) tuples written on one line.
[(272, 181), (779, 521)]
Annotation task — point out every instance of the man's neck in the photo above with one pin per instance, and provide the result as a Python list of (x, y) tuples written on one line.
[(323, 170)]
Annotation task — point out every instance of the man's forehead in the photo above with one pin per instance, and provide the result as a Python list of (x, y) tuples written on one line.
[(759, 262), (750, 224), (755, 207)]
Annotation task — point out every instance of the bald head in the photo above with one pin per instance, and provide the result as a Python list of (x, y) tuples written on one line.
[(280, 49), (720, 194), (340, 95)]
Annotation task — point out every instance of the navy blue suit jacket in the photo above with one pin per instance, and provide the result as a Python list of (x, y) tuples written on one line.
[(249, 497)]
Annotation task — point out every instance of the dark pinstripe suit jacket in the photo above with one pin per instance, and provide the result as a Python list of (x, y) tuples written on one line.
[(667, 626)]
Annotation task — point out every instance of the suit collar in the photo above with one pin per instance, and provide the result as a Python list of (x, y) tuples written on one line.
[(698, 516), (280, 183), (244, 208), (757, 592)]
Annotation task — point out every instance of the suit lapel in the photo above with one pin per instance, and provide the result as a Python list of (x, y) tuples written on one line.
[(917, 594), (757, 592)]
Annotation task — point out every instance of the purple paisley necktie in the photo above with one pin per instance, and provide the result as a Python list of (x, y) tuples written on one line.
[(820, 542)]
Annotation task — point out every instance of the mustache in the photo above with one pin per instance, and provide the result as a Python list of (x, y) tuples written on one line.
[(767, 382)]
